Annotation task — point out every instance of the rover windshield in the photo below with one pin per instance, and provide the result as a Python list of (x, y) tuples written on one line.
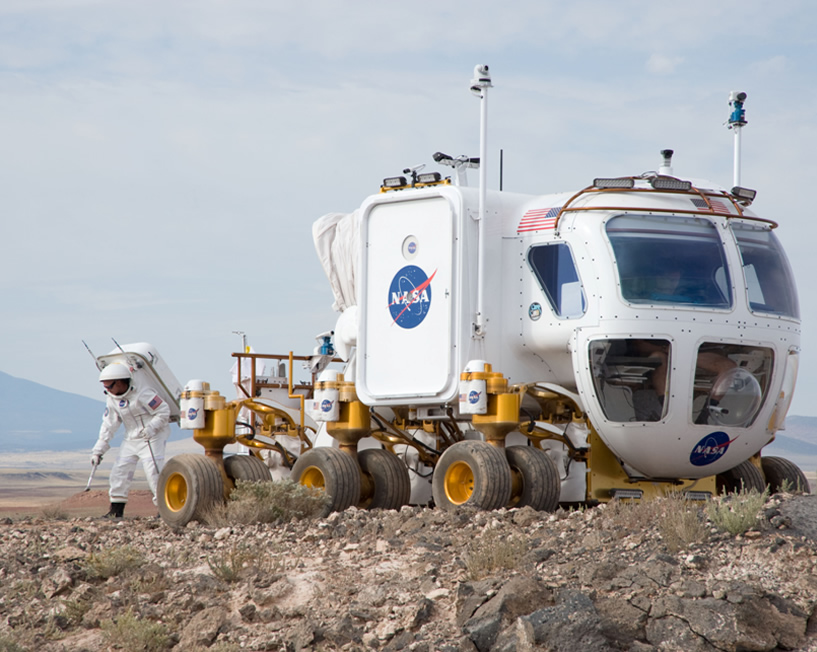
[(670, 260)]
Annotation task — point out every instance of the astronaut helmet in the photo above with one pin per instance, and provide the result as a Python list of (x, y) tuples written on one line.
[(117, 379)]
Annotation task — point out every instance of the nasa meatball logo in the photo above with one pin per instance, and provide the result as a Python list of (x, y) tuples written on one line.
[(123, 402), (326, 405), (473, 397), (410, 296), (192, 413), (710, 449)]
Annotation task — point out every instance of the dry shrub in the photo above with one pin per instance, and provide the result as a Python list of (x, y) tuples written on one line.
[(240, 561), (73, 612), (267, 502), (8, 645), (112, 562), (54, 513), (625, 517), (678, 520), (493, 551), (680, 523), (132, 634), (218, 646), (737, 512)]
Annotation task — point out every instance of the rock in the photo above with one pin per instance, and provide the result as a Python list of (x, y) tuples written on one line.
[(672, 633), (483, 631), (203, 628), (571, 624), (392, 580)]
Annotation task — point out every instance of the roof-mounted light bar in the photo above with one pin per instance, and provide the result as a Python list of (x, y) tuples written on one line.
[(618, 182), (746, 195), (429, 177), (394, 182), (669, 183)]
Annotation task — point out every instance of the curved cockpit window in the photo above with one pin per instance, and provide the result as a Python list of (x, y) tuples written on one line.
[(556, 272), (631, 378), (769, 280), (731, 383), (670, 260)]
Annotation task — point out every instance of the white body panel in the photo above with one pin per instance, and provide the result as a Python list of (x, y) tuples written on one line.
[(531, 336), (407, 301)]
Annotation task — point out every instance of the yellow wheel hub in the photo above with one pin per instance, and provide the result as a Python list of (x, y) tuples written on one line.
[(313, 477), (176, 492), (459, 483)]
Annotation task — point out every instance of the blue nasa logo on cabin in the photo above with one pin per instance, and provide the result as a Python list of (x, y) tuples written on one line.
[(410, 296), (412, 247), (473, 397), (192, 413), (710, 449), (326, 405)]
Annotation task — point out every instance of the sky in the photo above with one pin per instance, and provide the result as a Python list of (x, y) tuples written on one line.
[(163, 162)]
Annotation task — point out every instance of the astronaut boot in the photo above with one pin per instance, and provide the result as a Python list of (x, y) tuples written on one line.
[(116, 511)]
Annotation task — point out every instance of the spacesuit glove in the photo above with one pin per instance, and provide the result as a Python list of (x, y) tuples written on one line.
[(96, 458)]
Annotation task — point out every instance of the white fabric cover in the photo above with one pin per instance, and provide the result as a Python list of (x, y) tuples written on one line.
[(337, 237)]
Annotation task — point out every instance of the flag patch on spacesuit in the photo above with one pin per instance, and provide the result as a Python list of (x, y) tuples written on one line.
[(155, 402)]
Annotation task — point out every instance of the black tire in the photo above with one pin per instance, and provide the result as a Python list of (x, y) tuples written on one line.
[(332, 470), (779, 471), (189, 486), (744, 476), (472, 473), (246, 467), (540, 484), (389, 477)]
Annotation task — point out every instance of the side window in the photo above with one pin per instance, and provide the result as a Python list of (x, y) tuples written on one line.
[(556, 272), (769, 279)]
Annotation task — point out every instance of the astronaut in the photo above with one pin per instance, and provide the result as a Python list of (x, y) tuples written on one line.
[(145, 416)]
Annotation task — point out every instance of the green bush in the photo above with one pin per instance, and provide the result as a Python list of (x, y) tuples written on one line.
[(267, 502), (131, 634), (737, 512)]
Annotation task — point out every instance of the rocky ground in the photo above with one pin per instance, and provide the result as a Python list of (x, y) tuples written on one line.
[(607, 578)]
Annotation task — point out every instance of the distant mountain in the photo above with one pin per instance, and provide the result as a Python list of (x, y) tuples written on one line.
[(798, 442), (801, 428), (34, 417), (38, 418)]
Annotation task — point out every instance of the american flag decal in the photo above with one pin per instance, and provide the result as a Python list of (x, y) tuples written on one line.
[(717, 205), (155, 402), (538, 218)]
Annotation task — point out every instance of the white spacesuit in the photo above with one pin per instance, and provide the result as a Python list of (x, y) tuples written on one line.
[(145, 416)]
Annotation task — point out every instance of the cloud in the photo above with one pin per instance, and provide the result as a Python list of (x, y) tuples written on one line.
[(773, 66), (660, 64)]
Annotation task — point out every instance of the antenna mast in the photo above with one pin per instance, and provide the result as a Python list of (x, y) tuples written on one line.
[(737, 120), (479, 86)]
